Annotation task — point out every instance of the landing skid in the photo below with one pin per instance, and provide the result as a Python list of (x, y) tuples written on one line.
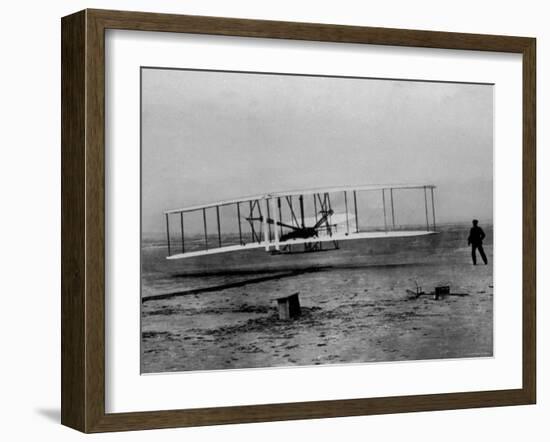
[(308, 248)]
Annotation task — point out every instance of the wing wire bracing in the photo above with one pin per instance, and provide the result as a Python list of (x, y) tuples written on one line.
[(288, 221)]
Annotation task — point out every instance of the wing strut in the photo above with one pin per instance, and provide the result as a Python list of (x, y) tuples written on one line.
[(239, 220), (426, 207), (356, 217), (301, 198), (205, 228), (347, 213), (219, 228), (315, 206), (275, 230), (392, 211), (264, 225), (384, 206), (280, 215), (433, 207), (182, 236), (168, 234)]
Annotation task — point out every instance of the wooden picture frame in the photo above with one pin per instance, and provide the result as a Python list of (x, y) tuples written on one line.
[(83, 220)]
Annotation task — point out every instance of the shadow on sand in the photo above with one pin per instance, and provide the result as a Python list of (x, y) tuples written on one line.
[(271, 275), (230, 285)]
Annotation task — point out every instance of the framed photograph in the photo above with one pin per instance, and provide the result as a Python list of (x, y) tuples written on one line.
[(267, 220)]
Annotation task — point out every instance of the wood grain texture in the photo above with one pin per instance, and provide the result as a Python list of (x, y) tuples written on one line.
[(95, 222), (73, 255), (144, 21), (529, 221), (83, 219)]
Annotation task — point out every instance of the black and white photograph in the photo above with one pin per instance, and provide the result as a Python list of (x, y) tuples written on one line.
[(253, 221), (301, 220)]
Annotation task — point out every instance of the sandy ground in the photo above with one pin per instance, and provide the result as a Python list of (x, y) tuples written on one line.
[(355, 308)]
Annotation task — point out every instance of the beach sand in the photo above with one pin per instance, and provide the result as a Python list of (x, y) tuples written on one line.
[(220, 312)]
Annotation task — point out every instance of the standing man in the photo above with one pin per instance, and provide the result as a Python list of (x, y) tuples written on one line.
[(476, 241)]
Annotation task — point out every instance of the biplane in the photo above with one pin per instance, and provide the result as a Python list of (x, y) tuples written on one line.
[(299, 221)]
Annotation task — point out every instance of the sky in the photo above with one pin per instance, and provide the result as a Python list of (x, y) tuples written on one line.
[(210, 136)]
